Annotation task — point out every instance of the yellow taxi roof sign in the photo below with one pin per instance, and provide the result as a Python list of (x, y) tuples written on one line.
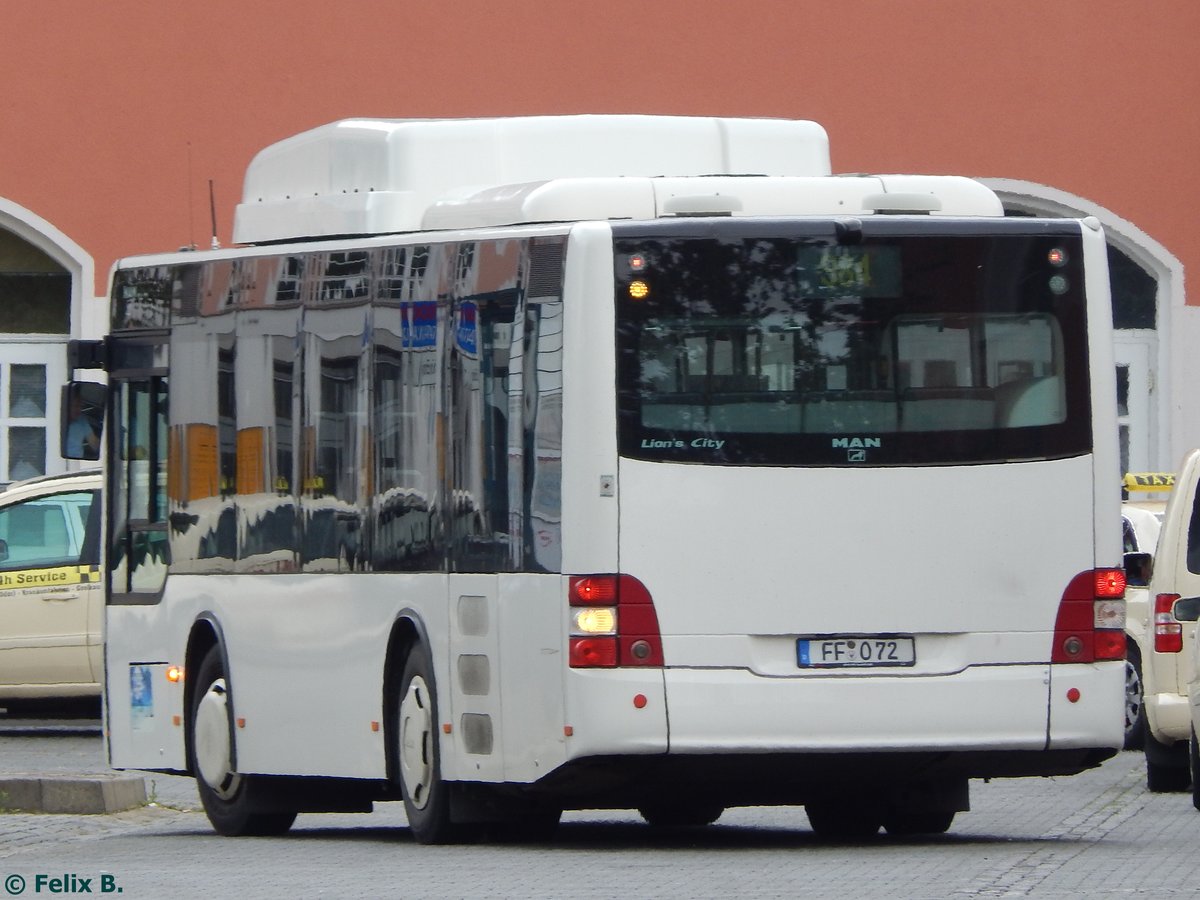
[(1149, 481)]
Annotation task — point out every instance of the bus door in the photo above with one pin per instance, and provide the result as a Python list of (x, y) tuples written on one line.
[(137, 472)]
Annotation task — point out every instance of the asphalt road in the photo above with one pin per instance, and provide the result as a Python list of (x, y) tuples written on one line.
[(1100, 835)]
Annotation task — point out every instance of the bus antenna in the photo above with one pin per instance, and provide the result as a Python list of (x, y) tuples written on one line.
[(212, 211), (191, 245)]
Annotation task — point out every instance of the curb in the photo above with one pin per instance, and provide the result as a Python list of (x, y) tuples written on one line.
[(86, 795)]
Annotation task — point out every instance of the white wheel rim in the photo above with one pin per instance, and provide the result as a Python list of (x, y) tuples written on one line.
[(211, 737), (1133, 694), (416, 742)]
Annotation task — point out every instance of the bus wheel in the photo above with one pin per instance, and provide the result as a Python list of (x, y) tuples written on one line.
[(228, 797), (843, 820), (1194, 768), (681, 815), (426, 796), (1135, 709)]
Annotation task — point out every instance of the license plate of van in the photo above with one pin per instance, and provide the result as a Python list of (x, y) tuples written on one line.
[(855, 650)]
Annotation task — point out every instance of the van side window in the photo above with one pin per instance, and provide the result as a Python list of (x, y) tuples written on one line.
[(45, 531), (1193, 544)]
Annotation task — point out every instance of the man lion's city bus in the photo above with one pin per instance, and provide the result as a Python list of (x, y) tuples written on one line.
[(519, 465)]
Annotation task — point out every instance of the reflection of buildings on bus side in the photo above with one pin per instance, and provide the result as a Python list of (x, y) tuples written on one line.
[(267, 324), (508, 338), (225, 442), (406, 425), (334, 409), (542, 418), (391, 409)]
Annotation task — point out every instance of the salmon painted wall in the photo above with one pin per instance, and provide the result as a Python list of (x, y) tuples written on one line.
[(115, 115)]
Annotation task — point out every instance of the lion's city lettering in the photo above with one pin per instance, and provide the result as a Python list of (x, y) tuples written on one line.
[(698, 443)]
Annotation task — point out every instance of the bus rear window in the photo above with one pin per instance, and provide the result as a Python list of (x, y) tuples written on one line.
[(931, 348)]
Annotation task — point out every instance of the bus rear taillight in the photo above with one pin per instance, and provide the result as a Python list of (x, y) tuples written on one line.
[(1091, 618), (594, 590), (1110, 583), (613, 623), (1168, 632), (593, 653)]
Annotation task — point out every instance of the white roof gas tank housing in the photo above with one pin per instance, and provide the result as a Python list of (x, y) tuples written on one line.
[(578, 199), (375, 176)]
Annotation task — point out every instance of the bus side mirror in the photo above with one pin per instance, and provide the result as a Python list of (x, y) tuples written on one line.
[(1187, 609), (1138, 567), (87, 354), (82, 423)]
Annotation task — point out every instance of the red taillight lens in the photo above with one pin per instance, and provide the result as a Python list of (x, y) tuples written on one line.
[(638, 641), (593, 652), (593, 590), (1168, 632), (1091, 618), (1110, 644), (1110, 583)]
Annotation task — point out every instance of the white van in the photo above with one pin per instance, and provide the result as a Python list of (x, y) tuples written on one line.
[(51, 590), (1167, 663)]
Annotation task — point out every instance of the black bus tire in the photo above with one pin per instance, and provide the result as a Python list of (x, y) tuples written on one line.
[(418, 755), (228, 797)]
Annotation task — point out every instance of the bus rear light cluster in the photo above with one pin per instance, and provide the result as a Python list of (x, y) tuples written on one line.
[(1168, 632), (613, 623), (1091, 618)]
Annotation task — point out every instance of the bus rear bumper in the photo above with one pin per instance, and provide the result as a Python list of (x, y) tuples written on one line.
[(982, 708)]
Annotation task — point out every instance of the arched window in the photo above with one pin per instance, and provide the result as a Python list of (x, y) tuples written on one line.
[(35, 291), (1134, 291), (46, 283)]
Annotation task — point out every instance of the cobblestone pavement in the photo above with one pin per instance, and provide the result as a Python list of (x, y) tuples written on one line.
[(1100, 835)]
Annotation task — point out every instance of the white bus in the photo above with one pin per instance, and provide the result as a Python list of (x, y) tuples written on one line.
[(520, 465)]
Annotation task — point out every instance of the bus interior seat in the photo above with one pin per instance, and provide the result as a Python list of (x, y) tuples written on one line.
[(726, 384), (761, 413), (1030, 401), (851, 412), (675, 415), (955, 409)]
